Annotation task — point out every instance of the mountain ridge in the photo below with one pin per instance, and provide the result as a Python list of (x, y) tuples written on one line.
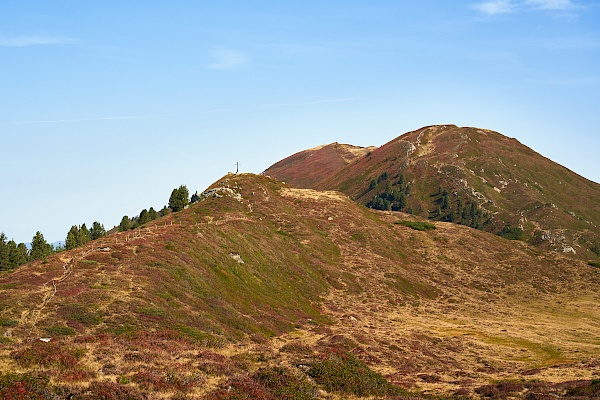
[(507, 183)]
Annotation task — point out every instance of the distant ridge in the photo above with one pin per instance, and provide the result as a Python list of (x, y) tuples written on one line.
[(310, 167), (446, 169)]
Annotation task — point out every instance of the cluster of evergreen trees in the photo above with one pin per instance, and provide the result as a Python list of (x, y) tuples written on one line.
[(144, 217), (178, 200), (12, 254), (469, 214), (80, 235), (392, 198)]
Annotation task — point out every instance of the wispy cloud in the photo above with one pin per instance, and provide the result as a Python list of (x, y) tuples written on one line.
[(60, 121), (550, 4), (584, 81), (309, 103), (227, 59), (495, 7), (33, 40)]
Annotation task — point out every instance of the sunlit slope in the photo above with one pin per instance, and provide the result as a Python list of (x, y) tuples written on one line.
[(478, 178), (269, 276)]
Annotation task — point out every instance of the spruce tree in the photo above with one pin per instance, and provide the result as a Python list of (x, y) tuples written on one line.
[(40, 249), (4, 252), (143, 218), (21, 254), (72, 240), (12, 250), (97, 231), (84, 235), (152, 213), (125, 224)]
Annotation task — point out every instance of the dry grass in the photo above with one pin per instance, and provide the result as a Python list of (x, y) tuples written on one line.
[(170, 313)]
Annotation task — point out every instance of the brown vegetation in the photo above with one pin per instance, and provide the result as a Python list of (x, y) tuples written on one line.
[(323, 299)]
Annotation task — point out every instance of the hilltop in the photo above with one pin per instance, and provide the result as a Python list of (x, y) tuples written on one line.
[(268, 291), (471, 176)]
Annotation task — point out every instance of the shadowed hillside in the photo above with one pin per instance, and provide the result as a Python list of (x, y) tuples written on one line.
[(474, 177), (265, 291)]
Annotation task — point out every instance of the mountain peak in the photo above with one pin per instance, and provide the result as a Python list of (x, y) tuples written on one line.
[(440, 171)]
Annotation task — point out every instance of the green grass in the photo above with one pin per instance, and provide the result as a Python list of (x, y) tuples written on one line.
[(594, 264), (60, 330), (8, 322), (344, 374), (151, 311), (417, 225)]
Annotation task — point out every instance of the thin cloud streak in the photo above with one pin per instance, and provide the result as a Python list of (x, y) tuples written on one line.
[(497, 7), (24, 41), (309, 103), (227, 59), (551, 4), (62, 121)]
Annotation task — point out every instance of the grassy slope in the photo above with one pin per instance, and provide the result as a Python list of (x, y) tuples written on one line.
[(173, 311)]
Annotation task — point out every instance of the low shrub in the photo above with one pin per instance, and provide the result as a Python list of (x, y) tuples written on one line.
[(267, 384), (8, 322), (24, 386), (594, 264), (417, 225), (343, 373), (53, 354), (112, 391), (60, 330)]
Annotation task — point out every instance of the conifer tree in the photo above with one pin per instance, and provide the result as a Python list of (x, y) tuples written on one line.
[(72, 240), (179, 198), (40, 249), (125, 224), (20, 255), (84, 235), (164, 211), (152, 213), (4, 252), (143, 218), (97, 231)]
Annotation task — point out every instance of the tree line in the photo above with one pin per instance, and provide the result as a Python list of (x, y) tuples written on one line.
[(13, 255)]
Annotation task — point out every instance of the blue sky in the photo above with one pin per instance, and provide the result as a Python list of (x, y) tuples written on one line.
[(105, 107)]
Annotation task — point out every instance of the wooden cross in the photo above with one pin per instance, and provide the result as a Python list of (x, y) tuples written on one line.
[(237, 167)]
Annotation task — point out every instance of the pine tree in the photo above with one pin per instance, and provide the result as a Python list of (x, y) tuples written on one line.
[(21, 254), (125, 224), (4, 253), (72, 240), (152, 213), (179, 198), (97, 231), (164, 211), (40, 249), (143, 218), (84, 235)]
